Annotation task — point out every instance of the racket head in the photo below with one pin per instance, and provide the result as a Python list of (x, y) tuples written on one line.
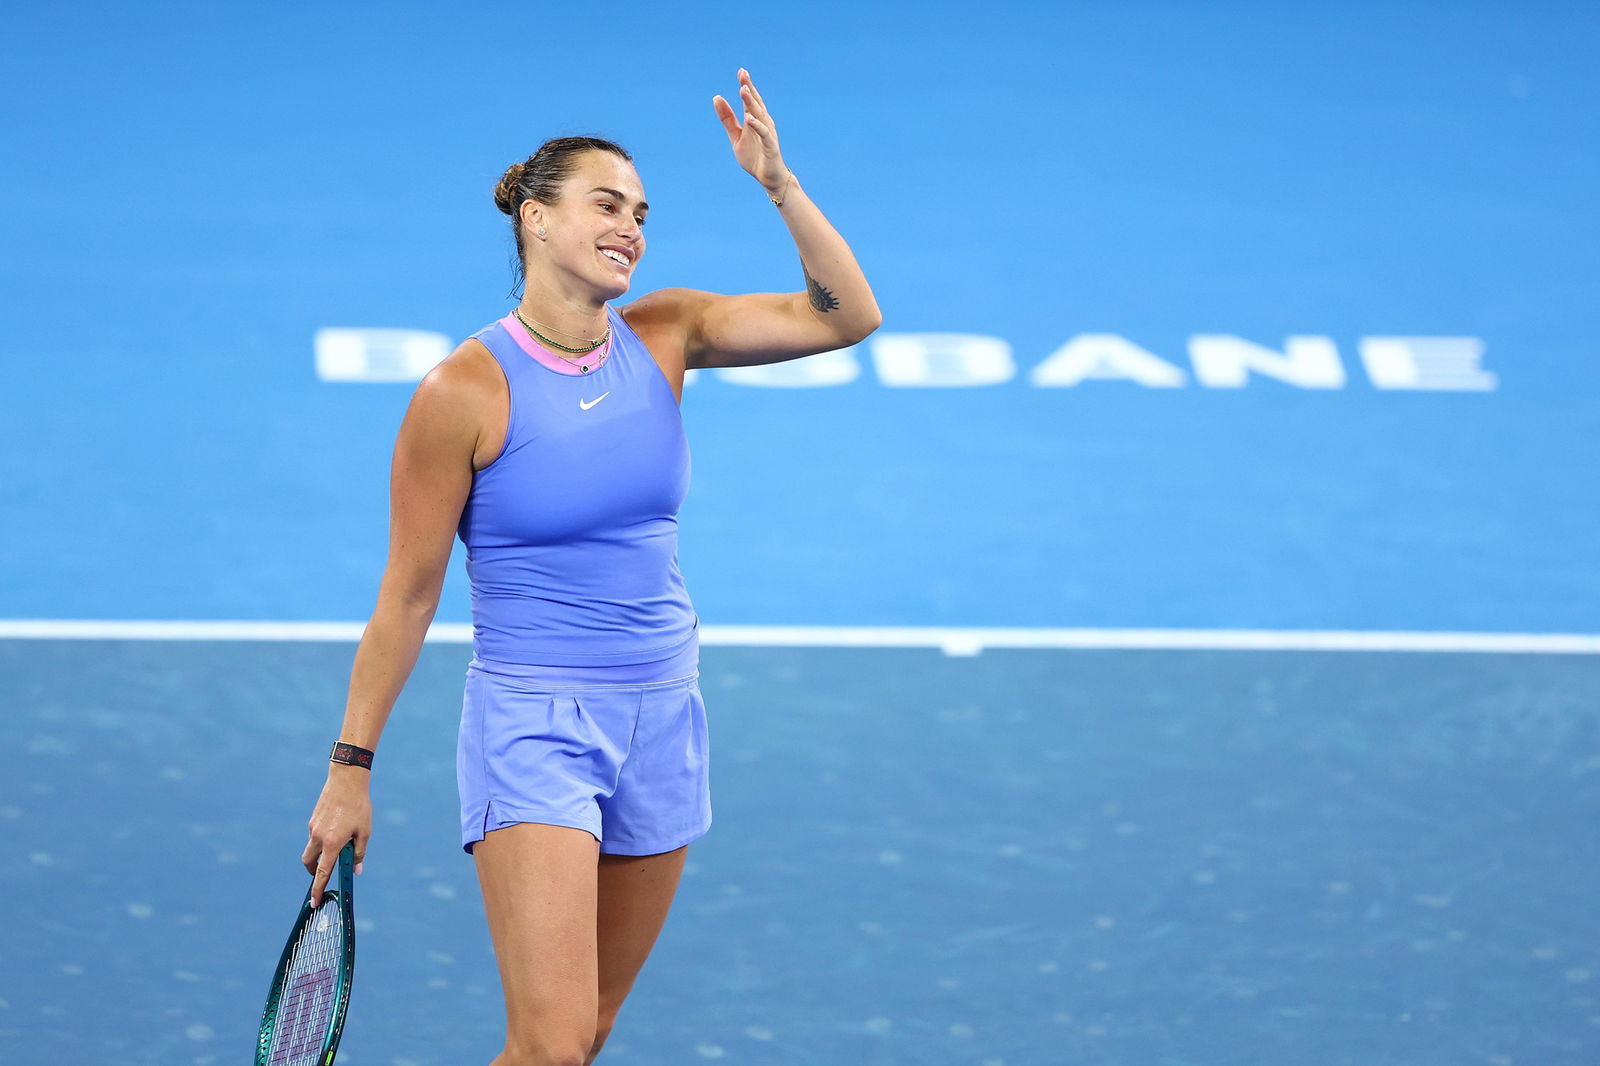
[(310, 990)]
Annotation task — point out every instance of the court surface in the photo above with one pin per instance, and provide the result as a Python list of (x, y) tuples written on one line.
[(1018, 857), (1276, 318)]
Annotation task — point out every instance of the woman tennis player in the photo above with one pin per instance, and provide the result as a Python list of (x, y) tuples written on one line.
[(551, 442)]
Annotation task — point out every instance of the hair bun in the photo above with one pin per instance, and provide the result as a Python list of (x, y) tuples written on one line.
[(506, 193)]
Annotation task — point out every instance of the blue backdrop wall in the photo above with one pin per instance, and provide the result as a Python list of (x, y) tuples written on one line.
[(190, 192)]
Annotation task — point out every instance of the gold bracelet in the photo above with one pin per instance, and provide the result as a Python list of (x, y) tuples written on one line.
[(777, 201)]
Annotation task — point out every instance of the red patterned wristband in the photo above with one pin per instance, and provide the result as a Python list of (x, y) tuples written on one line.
[(350, 755)]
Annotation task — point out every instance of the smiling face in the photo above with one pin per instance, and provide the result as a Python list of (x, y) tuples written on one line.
[(593, 232)]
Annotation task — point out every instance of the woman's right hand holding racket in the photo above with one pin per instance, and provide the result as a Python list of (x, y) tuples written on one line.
[(343, 813)]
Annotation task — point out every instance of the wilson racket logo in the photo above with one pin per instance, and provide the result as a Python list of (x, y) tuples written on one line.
[(303, 1018)]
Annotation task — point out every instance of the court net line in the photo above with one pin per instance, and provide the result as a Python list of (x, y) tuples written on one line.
[(952, 640)]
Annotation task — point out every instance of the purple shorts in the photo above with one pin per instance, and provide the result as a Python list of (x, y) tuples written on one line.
[(618, 751)]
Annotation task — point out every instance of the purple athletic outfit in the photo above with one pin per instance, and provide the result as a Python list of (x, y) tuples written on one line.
[(582, 705)]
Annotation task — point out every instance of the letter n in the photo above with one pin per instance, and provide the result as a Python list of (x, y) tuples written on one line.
[(1226, 362)]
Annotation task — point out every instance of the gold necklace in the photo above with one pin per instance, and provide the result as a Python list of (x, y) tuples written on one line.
[(581, 350), (572, 360), (552, 329), (584, 368)]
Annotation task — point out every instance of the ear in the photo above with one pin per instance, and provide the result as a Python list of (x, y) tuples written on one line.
[(533, 218)]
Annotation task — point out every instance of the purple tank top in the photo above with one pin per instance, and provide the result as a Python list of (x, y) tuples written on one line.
[(572, 531)]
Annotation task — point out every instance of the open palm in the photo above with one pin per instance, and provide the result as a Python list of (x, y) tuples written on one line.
[(755, 141)]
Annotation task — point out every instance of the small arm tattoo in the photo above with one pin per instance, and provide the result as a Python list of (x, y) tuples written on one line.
[(821, 298)]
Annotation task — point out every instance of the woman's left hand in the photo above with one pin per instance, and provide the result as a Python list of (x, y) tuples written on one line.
[(755, 143)]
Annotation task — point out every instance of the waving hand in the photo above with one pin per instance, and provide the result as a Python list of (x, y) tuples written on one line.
[(834, 310), (755, 141)]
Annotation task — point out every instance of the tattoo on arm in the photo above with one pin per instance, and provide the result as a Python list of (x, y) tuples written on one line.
[(821, 298)]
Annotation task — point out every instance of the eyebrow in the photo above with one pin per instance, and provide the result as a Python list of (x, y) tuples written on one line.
[(618, 196)]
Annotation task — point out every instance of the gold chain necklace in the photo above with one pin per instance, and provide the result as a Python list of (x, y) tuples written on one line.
[(582, 350), (552, 329)]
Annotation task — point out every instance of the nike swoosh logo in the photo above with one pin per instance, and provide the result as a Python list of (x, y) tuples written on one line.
[(594, 401)]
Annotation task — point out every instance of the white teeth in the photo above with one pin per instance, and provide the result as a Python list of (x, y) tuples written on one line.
[(614, 254)]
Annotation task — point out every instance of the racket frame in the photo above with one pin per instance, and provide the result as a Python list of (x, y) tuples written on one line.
[(343, 898)]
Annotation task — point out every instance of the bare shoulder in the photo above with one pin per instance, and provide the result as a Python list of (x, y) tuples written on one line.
[(667, 321), (668, 306), (463, 381), (668, 313), (459, 402)]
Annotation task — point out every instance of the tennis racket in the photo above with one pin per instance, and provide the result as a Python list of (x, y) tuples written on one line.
[(311, 988)]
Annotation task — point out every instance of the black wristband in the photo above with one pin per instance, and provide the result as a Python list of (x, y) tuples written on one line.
[(350, 755)]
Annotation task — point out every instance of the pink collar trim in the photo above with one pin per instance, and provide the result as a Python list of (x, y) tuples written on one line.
[(542, 355)]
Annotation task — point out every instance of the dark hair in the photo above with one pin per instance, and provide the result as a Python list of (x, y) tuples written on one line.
[(539, 177)]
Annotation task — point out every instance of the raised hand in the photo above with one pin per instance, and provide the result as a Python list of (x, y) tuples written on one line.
[(755, 141)]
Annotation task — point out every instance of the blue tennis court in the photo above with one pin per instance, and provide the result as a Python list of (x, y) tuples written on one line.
[(1199, 322), (1018, 857)]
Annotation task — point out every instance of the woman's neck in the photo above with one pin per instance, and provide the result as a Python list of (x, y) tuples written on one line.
[(571, 321)]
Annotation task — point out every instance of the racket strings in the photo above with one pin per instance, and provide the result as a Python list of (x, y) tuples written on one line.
[(309, 985)]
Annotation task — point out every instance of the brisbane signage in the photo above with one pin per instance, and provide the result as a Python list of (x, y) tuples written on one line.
[(973, 360)]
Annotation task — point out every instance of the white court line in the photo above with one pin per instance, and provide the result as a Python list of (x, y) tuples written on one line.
[(952, 640)]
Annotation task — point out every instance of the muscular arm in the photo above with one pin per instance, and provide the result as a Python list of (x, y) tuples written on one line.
[(836, 308), (430, 478)]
